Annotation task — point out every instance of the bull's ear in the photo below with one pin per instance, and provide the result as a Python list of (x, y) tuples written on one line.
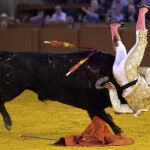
[(4, 55)]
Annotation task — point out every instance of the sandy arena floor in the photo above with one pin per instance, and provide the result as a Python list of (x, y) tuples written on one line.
[(54, 120)]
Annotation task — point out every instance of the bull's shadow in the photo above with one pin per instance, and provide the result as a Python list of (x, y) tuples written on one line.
[(45, 75)]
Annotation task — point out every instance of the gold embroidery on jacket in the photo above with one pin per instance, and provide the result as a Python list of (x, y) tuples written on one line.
[(139, 97)]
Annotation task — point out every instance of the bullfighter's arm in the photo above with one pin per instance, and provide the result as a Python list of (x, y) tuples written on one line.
[(116, 104), (115, 101)]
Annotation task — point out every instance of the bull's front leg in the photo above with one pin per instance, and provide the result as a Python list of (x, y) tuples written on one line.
[(6, 117), (109, 120)]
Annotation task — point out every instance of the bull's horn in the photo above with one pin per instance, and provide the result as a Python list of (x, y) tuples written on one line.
[(100, 82)]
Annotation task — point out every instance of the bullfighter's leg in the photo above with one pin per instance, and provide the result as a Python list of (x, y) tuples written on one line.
[(6, 117), (125, 68), (119, 48), (121, 54), (128, 68), (136, 54)]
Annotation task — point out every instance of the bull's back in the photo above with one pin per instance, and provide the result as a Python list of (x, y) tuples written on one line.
[(45, 75)]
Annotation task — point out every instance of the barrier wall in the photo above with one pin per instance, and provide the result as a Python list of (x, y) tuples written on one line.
[(96, 37), (19, 40), (31, 39)]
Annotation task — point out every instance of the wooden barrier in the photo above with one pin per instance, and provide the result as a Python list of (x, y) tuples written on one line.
[(96, 37), (19, 40), (58, 25), (27, 25)]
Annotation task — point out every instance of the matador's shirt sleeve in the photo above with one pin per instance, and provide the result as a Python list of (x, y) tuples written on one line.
[(116, 103)]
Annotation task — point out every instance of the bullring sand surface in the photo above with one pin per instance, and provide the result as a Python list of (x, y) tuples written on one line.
[(53, 119)]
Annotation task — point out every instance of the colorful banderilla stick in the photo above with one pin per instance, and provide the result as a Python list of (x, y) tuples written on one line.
[(77, 65), (25, 137), (59, 43), (65, 44), (70, 45)]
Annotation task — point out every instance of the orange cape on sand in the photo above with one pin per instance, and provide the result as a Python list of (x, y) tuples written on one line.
[(96, 134)]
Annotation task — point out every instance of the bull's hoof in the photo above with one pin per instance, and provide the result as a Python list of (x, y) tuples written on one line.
[(7, 126), (7, 122), (117, 130)]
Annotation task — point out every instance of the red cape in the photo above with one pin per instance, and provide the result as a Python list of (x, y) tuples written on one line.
[(96, 134)]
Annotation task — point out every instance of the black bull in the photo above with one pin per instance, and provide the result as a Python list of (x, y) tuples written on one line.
[(45, 75)]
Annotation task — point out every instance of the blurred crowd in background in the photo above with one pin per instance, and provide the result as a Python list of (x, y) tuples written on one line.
[(91, 11)]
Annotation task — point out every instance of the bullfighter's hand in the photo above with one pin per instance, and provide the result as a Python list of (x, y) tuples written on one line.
[(109, 85)]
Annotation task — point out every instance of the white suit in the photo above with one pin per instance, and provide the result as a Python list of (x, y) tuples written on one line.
[(126, 69)]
